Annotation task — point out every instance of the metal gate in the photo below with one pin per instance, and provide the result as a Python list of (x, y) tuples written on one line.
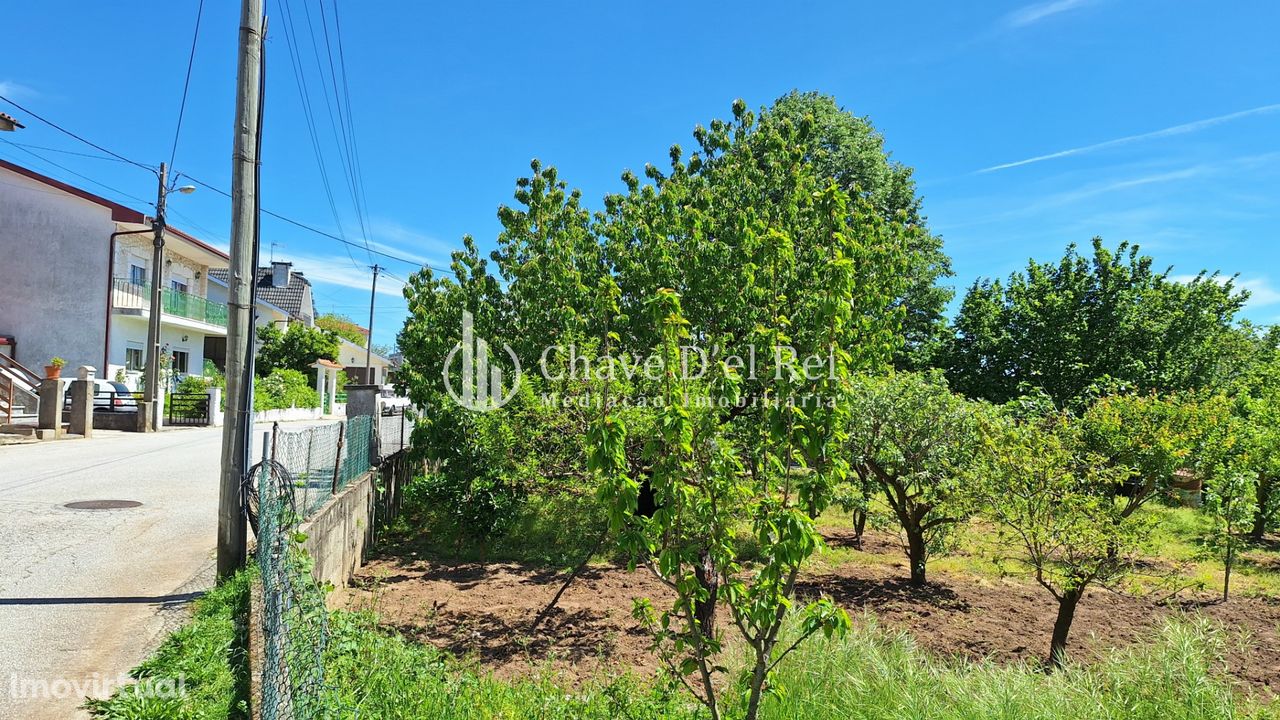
[(188, 409)]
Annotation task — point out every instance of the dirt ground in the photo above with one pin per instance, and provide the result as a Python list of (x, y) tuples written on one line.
[(483, 611)]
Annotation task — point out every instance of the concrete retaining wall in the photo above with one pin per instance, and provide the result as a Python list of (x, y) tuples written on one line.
[(339, 533), (128, 421)]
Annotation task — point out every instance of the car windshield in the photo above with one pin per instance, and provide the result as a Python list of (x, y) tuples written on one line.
[(119, 387)]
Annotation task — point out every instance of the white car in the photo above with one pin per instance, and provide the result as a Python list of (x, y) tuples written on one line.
[(108, 396)]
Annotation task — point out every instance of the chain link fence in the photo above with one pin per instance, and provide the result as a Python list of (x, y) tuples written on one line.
[(301, 470)]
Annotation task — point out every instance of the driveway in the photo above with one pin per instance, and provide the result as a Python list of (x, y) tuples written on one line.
[(85, 595)]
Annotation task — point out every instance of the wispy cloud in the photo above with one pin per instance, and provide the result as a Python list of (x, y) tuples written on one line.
[(1032, 14), (339, 270), (1261, 291), (16, 91), (1182, 129)]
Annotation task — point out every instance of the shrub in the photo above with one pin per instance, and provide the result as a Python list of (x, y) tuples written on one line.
[(284, 389), (193, 384)]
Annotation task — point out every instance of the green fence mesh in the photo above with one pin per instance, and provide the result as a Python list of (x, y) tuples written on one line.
[(303, 469)]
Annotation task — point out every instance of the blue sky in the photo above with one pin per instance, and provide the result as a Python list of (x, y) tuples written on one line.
[(1030, 125)]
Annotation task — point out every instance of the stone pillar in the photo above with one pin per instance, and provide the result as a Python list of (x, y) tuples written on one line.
[(322, 374), (362, 400), (333, 390), (50, 417), (215, 406), (81, 422)]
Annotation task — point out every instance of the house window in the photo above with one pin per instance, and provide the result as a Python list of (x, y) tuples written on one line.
[(137, 275), (179, 286), (180, 361), (133, 359)]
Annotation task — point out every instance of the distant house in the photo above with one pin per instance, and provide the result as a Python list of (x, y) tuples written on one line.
[(283, 296), (352, 356), (75, 280)]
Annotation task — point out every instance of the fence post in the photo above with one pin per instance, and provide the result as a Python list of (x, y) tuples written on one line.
[(337, 463)]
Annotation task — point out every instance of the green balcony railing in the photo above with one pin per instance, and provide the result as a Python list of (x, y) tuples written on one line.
[(126, 294)]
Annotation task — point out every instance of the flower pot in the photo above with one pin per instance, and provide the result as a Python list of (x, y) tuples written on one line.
[(52, 372)]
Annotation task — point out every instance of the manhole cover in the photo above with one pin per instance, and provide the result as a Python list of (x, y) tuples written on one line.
[(102, 504)]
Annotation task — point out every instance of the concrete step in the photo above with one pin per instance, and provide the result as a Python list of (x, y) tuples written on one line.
[(15, 439)]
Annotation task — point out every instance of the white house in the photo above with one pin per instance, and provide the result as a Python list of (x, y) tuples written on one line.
[(352, 357), (75, 274), (282, 295)]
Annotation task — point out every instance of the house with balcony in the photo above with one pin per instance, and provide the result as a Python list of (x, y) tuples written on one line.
[(75, 282)]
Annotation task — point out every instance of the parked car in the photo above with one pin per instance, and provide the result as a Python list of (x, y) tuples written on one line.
[(108, 396)]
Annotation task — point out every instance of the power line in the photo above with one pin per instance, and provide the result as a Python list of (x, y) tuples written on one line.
[(67, 152), (224, 193), (295, 57), (186, 84), (79, 175), (345, 123), (346, 91), (61, 129), (318, 231)]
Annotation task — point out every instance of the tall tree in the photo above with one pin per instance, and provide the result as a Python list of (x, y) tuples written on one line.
[(343, 327), (1063, 327), (847, 149), (295, 348)]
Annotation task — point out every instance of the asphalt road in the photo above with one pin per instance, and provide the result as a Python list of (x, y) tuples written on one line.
[(85, 595)]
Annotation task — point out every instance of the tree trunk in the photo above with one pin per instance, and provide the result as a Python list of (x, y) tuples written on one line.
[(1228, 561), (916, 555), (859, 526), (1260, 516), (705, 610), (1062, 627)]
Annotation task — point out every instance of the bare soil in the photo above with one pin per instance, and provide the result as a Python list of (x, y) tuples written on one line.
[(483, 611)]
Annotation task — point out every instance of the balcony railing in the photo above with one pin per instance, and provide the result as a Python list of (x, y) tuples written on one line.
[(128, 295)]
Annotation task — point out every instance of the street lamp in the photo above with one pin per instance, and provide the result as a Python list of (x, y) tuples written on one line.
[(152, 389)]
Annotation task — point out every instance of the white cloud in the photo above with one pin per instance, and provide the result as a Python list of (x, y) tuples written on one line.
[(1261, 292), (1031, 14), (1166, 132), (339, 270), (15, 91)]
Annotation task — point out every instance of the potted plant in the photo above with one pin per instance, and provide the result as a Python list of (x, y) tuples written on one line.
[(53, 370)]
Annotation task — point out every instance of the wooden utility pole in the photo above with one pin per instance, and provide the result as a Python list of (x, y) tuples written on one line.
[(154, 395), (368, 345), (243, 273)]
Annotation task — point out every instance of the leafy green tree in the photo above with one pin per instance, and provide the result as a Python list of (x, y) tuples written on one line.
[(1065, 326), (1058, 500), (1230, 500), (343, 327), (1147, 438), (1261, 446), (296, 348), (742, 249), (847, 149), (916, 442)]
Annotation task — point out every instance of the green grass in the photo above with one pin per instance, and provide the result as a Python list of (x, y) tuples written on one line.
[(204, 660), (1175, 556), (868, 675), (872, 675)]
